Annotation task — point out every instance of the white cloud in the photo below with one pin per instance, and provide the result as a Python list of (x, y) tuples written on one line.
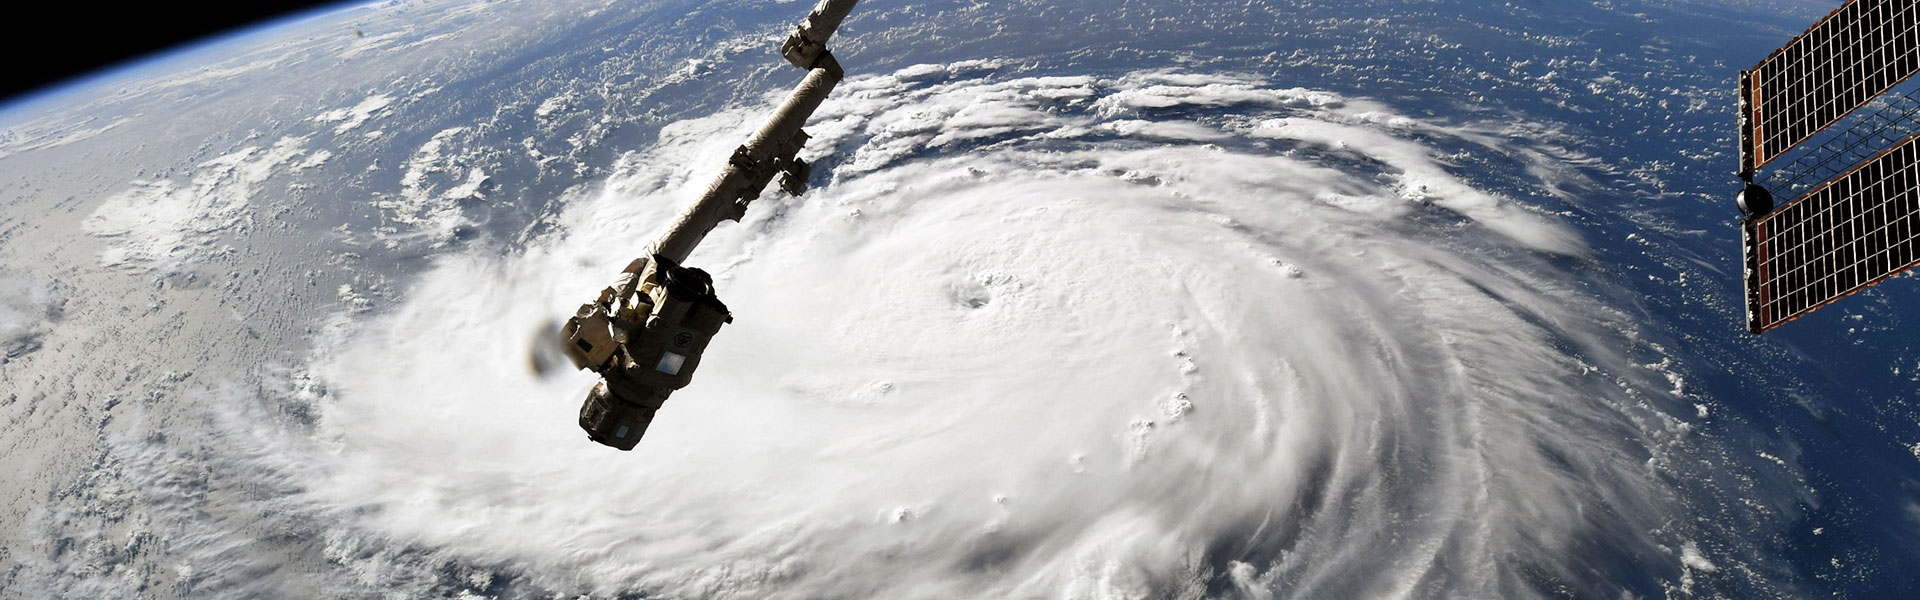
[(1166, 130), (27, 309), (952, 369), (354, 116), (162, 224), (438, 176)]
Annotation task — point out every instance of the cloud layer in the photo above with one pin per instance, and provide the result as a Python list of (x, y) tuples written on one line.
[(27, 309), (1140, 336)]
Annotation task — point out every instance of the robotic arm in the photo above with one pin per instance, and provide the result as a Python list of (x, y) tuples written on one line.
[(644, 335)]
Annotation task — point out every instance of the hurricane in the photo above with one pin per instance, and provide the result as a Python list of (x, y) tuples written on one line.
[(1093, 300), (1149, 335)]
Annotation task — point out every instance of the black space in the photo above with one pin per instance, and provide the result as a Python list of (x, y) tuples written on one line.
[(51, 42)]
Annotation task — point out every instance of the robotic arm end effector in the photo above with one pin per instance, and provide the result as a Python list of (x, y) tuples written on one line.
[(644, 336)]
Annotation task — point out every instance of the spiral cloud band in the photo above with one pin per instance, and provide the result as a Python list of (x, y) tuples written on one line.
[(1148, 335)]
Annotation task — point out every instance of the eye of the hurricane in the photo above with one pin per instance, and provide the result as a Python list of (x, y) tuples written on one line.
[(1026, 333)]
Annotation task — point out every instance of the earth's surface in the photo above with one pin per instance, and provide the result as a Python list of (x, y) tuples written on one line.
[(1120, 299)]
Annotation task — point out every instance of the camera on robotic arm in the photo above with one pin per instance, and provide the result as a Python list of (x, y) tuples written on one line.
[(644, 335)]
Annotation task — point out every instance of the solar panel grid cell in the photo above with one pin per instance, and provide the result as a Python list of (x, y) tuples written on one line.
[(1856, 230)]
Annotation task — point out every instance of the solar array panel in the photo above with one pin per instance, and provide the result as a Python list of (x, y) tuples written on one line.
[(1852, 232), (1852, 56)]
